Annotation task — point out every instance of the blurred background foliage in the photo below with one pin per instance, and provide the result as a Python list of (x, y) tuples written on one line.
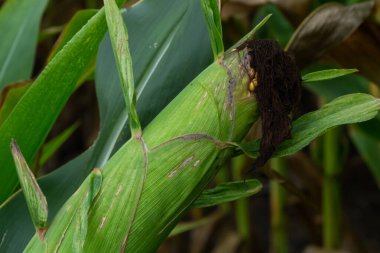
[(341, 167)]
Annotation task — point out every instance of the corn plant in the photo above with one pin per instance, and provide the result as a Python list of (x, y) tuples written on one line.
[(135, 199)]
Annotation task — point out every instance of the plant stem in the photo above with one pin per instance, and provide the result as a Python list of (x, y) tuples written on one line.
[(279, 243), (331, 204)]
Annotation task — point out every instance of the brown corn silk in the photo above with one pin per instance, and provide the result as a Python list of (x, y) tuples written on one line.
[(185, 144), (277, 92)]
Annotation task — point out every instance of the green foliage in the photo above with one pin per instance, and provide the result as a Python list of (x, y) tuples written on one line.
[(211, 12), (164, 69), (327, 74), (50, 147), (227, 192), (347, 109), (19, 24), (149, 182), (119, 39), (53, 87)]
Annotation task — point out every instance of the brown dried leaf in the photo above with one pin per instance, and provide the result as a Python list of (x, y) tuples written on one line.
[(361, 50), (325, 28)]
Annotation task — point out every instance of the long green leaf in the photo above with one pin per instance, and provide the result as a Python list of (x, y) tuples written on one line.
[(137, 174), (71, 28), (10, 97), (19, 24), (161, 66), (227, 192), (327, 74), (50, 147), (119, 39), (331, 89), (347, 109), (211, 13)]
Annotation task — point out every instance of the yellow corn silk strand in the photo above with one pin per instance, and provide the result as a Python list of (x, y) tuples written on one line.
[(181, 152)]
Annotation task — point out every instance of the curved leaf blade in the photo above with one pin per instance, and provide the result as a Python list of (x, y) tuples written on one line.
[(42, 103), (347, 109), (327, 74), (227, 192), (119, 40), (214, 24), (19, 25)]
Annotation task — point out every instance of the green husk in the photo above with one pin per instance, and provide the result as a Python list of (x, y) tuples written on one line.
[(69, 229), (185, 144), (34, 197)]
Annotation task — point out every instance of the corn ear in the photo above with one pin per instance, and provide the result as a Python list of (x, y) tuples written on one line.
[(34, 197), (183, 148)]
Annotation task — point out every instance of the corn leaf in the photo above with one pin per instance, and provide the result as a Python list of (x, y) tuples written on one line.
[(51, 90), (369, 149), (347, 109), (332, 89), (161, 66), (211, 13), (10, 97), (41, 105), (227, 192), (188, 226), (34, 197), (75, 24), (327, 74), (119, 39), (19, 24), (50, 147), (71, 28)]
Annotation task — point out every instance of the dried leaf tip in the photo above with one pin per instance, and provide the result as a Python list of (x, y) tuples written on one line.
[(97, 171), (41, 233)]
